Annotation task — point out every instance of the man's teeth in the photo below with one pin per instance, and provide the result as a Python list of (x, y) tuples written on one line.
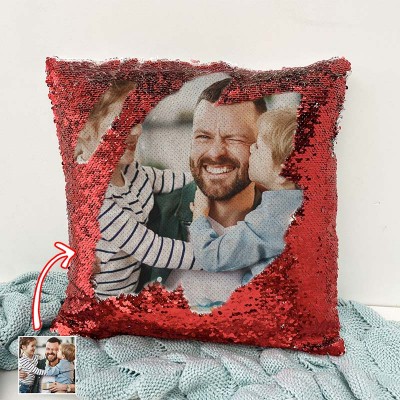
[(218, 170)]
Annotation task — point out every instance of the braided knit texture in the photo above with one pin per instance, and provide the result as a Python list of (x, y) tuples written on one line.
[(129, 367)]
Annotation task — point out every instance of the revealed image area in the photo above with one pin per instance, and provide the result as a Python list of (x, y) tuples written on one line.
[(197, 199), (46, 364)]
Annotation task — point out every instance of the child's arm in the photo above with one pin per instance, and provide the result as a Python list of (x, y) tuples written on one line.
[(260, 236), (52, 371), (166, 181), (62, 366), (112, 220), (27, 365), (137, 240)]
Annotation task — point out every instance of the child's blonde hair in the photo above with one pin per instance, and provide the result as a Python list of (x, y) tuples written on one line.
[(24, 341), (68, 351), (277, 128), (101, 116)]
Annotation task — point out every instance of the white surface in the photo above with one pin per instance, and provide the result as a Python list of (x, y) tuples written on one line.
[(9, 389), (255, 34), (389, 313)]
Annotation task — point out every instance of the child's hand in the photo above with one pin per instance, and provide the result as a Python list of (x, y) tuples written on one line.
[(201, 206), (116, 177), (22, 374)]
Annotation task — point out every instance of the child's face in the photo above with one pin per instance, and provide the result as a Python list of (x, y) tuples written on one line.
[(262, 168), (131, 141), (30, 348), (59, 354)]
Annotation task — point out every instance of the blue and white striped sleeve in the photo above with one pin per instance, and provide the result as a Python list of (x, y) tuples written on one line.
[(135, 239), (112, 220), (166, 180), (154, 250), (27, 366)]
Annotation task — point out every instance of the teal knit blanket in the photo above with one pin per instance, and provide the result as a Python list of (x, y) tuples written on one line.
[(128, 367)]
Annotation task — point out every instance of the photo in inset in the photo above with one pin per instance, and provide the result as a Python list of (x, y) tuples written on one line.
[(46, 364)]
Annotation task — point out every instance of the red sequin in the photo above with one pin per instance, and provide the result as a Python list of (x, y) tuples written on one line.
[(292, 304)]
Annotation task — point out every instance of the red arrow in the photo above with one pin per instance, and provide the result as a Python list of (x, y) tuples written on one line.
[(65, 256)]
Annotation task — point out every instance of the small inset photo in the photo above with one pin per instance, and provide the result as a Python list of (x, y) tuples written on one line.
[(46, 364)]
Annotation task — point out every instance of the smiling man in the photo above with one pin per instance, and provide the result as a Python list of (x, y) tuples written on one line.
[(47, 384), (219, 161)]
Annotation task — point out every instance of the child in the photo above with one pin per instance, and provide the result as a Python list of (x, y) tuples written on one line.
[(125, 241), (63, 370), (254, 242), (28, 363)]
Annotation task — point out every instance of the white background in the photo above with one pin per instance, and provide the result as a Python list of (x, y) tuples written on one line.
[(254, 34), (267, 34)]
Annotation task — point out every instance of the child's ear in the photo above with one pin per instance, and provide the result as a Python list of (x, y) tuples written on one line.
[(281, 180), (279, 168)]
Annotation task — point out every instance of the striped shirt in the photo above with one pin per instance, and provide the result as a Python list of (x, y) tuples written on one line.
[(125, 241), (29, 365)]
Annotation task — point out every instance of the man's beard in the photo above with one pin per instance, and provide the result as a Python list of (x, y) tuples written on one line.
[(221, 192), (53, 356)]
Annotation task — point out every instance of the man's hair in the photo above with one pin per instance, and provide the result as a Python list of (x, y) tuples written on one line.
[(54, 340), (68, 351), (213, 93), (277, 129)]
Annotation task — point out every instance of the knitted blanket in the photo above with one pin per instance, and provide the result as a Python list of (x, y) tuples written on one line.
[(127, 367)]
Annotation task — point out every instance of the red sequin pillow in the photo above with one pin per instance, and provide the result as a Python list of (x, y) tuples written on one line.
[(201, 200)]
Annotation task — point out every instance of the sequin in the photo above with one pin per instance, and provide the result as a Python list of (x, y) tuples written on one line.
[(292, 304)]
